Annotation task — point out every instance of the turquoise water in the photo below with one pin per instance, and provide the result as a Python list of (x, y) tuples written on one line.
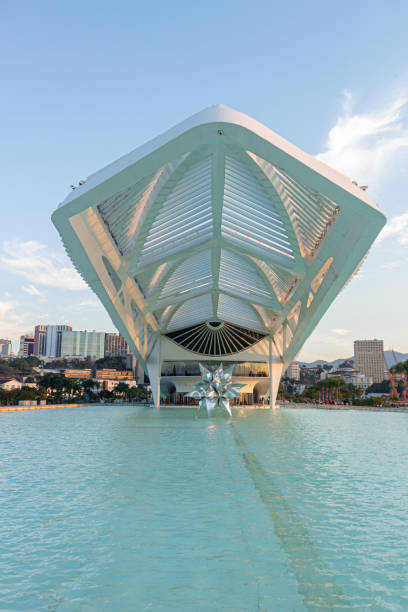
[(126, 508)]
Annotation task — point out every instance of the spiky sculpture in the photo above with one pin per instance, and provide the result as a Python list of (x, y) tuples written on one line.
[(215, 389)]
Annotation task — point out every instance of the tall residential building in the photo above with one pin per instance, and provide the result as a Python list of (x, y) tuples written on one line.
[(54, 337), (26, 345), (40, 340), (83, 344), (293, 370), (5, 347), (369, 358), (115, 346)]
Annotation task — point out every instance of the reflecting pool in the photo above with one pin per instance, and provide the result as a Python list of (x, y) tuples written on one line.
[(128, 508)]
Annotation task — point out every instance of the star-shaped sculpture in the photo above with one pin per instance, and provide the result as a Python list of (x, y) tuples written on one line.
[(215, 390)]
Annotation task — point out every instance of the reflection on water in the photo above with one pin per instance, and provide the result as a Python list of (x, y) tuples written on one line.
[(128, 508)]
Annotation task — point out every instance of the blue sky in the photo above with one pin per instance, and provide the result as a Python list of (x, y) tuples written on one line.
[(85, 82)]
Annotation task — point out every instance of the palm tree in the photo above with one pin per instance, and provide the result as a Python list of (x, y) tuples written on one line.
[(89, 384), (404, 395), (121, 389)]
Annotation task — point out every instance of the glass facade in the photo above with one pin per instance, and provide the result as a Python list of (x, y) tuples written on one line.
[(192, 368), (83, 344)]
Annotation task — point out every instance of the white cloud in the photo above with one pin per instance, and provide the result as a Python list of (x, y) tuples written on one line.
[(340, 331), (397, 228), (86, 303), (12, 324), (35, 262), (32, 290), (362, 145)]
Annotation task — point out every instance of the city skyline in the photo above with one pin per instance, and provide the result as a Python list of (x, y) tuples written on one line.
[(115, 343), (53, 141)]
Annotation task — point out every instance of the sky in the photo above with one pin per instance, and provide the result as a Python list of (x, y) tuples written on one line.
[(85, 82)]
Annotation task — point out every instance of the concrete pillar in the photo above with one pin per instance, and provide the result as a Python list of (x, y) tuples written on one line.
[(275, 372), (271, 398), (153, 366)]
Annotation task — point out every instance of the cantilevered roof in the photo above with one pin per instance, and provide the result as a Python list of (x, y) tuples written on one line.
[(216, 226)]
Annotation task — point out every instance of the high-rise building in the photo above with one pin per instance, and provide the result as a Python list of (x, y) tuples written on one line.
[(40, 340), (54, 336), (369, 358), (115, 346), (26, 345), (5, 347), (83, 344), (293, 370)]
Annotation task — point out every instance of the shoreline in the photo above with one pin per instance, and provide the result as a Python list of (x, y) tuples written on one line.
[(400, 409), (346, 407), (44, 407)]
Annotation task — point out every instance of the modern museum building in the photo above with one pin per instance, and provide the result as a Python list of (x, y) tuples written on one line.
[(217, 242)]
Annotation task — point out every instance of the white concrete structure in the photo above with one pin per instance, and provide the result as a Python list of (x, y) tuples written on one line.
[(218, 240)]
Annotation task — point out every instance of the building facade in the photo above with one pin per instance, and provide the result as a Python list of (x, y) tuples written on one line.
[(369, 358), (83, 344), (9, 384), (76, 374), (350, 375), (40, 340), (5, 347), (293, 370), (26, 345), (110, 374), (54, 339), (217, 241), (115, 346)]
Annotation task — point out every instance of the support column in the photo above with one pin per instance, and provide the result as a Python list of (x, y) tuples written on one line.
[(153, 366), (275, 371), (271, 398)]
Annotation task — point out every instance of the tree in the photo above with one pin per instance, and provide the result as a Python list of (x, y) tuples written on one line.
[(52, 382), (382, 387), (57, 385), (114, 363), (105, 394), (133, 394), (359, 392), (89, 386), (121, 389)]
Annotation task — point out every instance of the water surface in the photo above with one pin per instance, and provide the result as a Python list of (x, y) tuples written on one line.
[(126, 508)]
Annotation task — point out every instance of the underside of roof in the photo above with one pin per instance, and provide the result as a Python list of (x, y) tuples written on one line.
[(219, 237)]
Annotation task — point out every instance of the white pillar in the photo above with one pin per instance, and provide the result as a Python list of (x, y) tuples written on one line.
[(271, 398), (275, 372), (153, 366)]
